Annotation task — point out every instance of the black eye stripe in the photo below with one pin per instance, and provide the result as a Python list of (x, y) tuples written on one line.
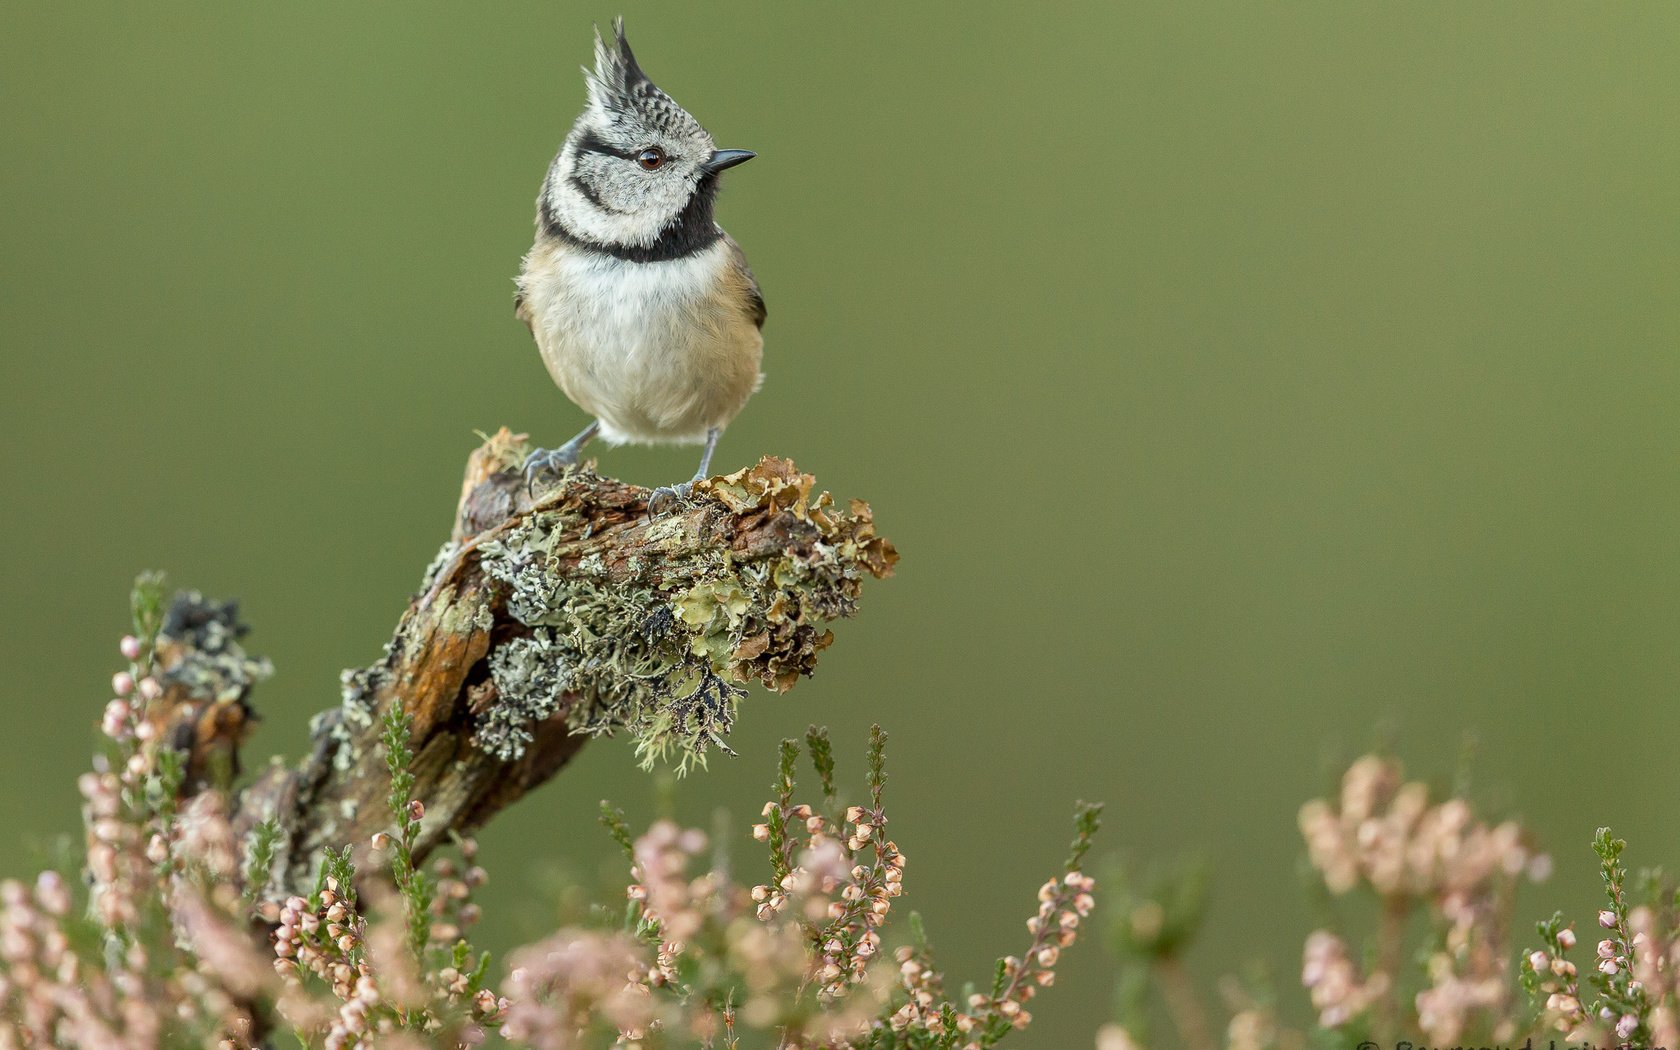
[(589, 142)]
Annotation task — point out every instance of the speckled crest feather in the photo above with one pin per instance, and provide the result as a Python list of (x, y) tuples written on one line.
[(618, 88)]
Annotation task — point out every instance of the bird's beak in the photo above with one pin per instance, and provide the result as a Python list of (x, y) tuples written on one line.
[(726, 158)]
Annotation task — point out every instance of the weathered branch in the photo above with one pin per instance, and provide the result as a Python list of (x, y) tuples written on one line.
[(541, 622)]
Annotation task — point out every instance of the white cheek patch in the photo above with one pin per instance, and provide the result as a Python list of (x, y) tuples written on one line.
[(609, 199), (636, 226), (581, 217)]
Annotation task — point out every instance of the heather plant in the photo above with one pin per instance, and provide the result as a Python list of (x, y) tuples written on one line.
[(179, 939), (182, 927), (1439, 965), (1634, 965)]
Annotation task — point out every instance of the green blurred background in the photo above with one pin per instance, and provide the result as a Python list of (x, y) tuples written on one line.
[(1237, 380)]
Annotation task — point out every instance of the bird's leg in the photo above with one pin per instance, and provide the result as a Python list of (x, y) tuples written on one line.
[(705, 470), (664, 494), (552, 460)]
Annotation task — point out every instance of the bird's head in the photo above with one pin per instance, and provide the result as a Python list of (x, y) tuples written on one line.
[(636, 166)]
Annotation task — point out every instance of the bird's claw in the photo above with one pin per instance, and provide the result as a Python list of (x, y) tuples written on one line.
[(666, 497), (547, 461)]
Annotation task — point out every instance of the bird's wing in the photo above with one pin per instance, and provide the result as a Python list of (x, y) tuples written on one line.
[(522, 311), (756, 297)]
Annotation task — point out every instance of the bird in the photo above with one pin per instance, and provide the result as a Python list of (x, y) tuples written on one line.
[(644, 310)]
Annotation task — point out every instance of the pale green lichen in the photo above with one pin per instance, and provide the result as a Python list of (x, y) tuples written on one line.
[(531, 677), (663, 645), (615, 645), (713, 609)]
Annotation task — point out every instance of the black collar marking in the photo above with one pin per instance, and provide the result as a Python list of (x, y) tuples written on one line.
[(691, 232)]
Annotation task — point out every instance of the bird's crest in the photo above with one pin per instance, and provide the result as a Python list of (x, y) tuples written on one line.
[(618, 87)]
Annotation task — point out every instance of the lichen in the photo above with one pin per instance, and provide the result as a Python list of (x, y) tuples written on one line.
[(438, 562), (614, 645), (713, 610), (358, 686), (199, 644), (531, 677), (662, 646)]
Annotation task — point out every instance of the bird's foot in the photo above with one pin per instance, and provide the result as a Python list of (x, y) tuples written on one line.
[(667, 497), (548, 461)]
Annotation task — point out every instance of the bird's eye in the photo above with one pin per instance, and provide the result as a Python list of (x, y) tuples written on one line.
[(651, 159)]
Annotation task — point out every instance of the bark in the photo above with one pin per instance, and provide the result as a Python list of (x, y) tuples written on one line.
[(543, 621)]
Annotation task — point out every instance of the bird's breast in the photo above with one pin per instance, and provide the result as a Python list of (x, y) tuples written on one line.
[(658, 351)]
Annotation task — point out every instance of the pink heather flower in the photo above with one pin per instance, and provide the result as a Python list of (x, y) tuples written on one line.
[(115, 722), (130, 647), (416, 810), (1607, 919), (12, 894), (1538, 961), (52, 893), (150, 688), (1626, 1025), (122, 683), (381, 841), (1566, 939), (1607, 949)]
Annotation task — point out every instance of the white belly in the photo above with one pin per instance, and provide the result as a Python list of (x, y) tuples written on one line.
[(656, 351)]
